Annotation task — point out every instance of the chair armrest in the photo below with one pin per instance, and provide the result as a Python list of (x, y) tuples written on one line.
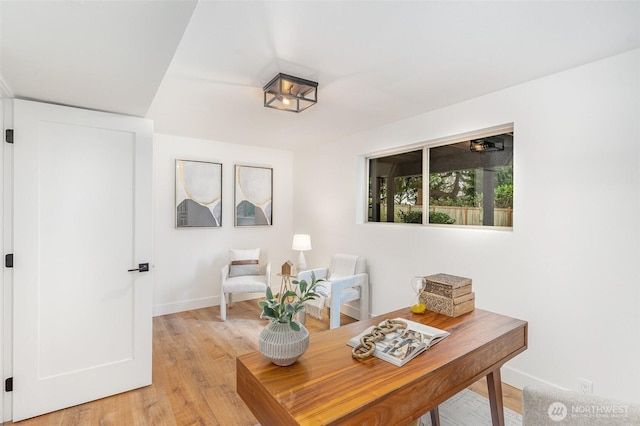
[(319, 273), (267, 272), (358, 280), (224, 273)]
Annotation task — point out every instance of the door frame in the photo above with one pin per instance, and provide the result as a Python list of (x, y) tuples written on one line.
[(6, 278), (7, 243)]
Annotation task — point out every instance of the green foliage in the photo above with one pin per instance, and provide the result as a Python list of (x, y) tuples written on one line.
[(460, 202), (504, 195), (505, 175), (437, 217), (454, 188), (504, 187), (414, 216), (407, 189), (458, 188), (283, 307)]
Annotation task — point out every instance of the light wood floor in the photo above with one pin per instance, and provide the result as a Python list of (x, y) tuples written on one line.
[(194, 375)]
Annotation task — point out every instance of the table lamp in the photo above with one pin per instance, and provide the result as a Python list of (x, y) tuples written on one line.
[(301, 242)]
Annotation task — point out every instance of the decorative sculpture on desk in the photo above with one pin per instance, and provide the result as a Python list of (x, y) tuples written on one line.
[(367, 345)]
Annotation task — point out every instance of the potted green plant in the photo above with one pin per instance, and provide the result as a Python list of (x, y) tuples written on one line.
[(284, 339)]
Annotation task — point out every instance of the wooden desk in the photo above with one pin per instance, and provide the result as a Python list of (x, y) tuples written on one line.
[(326, 386)]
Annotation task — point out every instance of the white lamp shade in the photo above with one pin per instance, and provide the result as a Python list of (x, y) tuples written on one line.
[(301, 242)]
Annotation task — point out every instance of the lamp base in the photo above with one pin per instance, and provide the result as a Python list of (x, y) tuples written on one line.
[(302, 263)]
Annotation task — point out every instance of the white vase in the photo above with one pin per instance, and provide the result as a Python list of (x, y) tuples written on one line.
[(281, 344)]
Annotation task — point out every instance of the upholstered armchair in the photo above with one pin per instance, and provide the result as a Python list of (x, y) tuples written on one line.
[(243, 274), (346, 280), (545, 405)]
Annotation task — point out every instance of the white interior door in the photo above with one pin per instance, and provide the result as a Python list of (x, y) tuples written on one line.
[(82, 219)]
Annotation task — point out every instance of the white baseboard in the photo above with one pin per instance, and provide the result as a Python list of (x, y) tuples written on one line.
[(185, 305), (350, 311), (205, 302), (519, 379)]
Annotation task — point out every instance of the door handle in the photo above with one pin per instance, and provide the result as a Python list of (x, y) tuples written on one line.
[(142, 267)]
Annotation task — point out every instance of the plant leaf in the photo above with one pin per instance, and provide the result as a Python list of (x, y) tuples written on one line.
[(294, 325)]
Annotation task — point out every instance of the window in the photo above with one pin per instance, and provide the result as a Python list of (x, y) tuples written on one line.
[(401, 176), (470, 183)]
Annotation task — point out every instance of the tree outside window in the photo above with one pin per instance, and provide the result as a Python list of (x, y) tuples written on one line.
[(470, 183)]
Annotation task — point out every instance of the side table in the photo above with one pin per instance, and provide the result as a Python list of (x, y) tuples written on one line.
[(285, 285)]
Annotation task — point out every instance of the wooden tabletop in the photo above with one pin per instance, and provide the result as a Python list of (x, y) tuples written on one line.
[(326, 386)]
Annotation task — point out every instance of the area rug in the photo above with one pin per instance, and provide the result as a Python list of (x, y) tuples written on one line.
[(467, 408)]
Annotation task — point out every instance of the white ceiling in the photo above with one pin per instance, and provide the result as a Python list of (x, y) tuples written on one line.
[(106, 55), (200, 72)]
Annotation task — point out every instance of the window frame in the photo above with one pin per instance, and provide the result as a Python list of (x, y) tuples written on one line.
[(426, 147)]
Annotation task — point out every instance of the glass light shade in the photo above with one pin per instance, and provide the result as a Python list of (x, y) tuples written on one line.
[(301, 242), (289, 93)]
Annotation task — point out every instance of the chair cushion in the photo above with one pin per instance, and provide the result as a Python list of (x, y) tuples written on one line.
[(244, 267), (243, 254), (245, 284), (244, 262), (541, 402)]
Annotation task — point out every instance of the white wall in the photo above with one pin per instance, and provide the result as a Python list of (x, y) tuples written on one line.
[(569, 266), (188, 261)]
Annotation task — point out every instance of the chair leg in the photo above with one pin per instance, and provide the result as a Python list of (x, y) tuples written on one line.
[(223, 307), (230, 300), (364, 302), (334, 321), (334, 316)]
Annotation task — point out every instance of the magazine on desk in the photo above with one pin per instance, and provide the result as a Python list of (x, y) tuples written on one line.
[(401, 346)]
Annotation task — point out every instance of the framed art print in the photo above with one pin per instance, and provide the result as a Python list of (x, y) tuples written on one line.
[(253, 196), (198, 194)]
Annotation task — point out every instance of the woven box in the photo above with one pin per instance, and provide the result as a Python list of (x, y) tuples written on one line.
[(447, 285), (447, 294), (445, 291), (452, 307)]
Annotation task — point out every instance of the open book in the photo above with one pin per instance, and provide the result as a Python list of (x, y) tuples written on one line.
[(401, 346)]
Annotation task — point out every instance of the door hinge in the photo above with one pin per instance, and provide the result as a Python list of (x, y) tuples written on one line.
[(8, 261), (8, 135), (8, 385)]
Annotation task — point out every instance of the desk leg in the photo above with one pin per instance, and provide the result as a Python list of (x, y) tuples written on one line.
[(435, 416), (494, 385)]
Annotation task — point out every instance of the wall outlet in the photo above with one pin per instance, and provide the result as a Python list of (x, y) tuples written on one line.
[(585, 386)]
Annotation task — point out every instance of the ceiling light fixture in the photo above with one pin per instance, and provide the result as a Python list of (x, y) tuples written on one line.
[(490, 143), (289, 93)]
